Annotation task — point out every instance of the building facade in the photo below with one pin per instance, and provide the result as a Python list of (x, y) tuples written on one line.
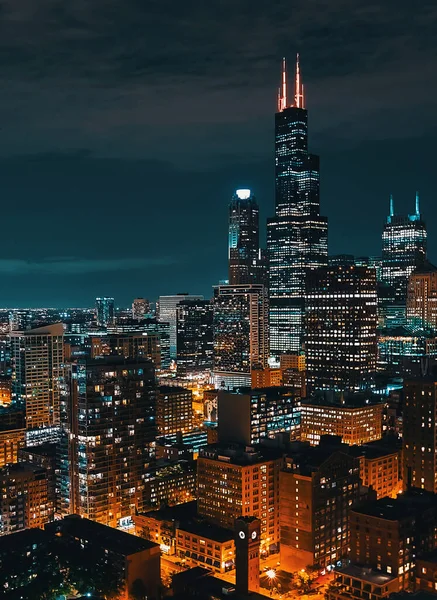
[(356, 422), (109, 425), (168, 314), (105, 312), (174, 410), (404, 241), (422, 298), (250, 416), (419, 434), (243, 239), (317, 488), (238, 481), (38, 356), (140, 308), (194, 336), (297, 236), (340, 336), (241, 333)]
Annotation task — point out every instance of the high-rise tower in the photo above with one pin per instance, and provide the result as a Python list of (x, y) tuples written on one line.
[(297, 236), (403, 249), (244, 253)]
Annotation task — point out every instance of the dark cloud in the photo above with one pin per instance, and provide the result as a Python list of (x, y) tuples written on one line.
[(125, 126)]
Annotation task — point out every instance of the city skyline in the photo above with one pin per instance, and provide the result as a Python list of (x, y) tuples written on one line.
[(89, 131)]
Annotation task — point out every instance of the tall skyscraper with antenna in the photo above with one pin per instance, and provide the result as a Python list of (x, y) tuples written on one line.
[(403, 249), (297, 236)]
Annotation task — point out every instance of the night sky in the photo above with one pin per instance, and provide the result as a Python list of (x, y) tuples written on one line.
[(127, 124)]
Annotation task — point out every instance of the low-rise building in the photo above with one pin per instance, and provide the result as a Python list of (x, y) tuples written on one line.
[(426, 573), (380, 468), (356, 419), (361, 583)]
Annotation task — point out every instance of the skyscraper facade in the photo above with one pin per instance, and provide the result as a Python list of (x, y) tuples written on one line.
[(241, 336), (168, 314), (422, 298), (341, 320), (297, 236), (140, 308), (194, 336), (37, 357), (108, 421), (105, 314), (403, 249), (243, 246)]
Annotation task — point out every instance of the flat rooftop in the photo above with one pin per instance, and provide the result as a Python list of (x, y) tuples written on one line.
[(409, 503), (106, 537), (366, 574)]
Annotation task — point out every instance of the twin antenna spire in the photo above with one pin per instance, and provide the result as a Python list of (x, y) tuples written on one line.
[(299, 100), (392, 211)]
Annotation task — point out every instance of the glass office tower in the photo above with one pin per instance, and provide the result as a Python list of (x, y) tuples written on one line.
[(297, 236), (403, 249)]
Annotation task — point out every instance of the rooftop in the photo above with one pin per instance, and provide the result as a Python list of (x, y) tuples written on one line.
[(412, 502), (237, 454), (366, 574), (111, 539), (20, 540)]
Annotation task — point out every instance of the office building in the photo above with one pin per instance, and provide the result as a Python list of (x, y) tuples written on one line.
[(403, 352), (194, 336), (241, 333), (250, 416), (267, 377), (419, 433), (422, 298), (38, 356), (297, 236), (142, 345), (12, 435), (24, 498), (356, 420), (168, 314), (341, 320), (404, 241), (317, 487), (243, 238), (174, 410), (380, 467), (109, 427), (236, 481), (247, 543), (5, 391), (170, 483), (388, 534), (105, 312), (140, 309)]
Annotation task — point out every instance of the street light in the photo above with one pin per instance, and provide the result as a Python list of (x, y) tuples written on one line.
[(271, 574)]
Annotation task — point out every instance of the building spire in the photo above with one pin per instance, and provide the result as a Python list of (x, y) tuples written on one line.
[(417, 204), (298, 90), (392, 211), (282, 94)]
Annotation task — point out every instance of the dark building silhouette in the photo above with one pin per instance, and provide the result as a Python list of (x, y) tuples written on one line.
[(194, 336)]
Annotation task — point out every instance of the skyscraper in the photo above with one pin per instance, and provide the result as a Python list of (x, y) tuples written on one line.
[(38, 356), (244, 253), (297, 236), (140, 308), (194, 335), (168, 314), (241, 339), (341, 320), (419, 434), (105, 311), (108, 423), (422, 298), (403, 249)]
